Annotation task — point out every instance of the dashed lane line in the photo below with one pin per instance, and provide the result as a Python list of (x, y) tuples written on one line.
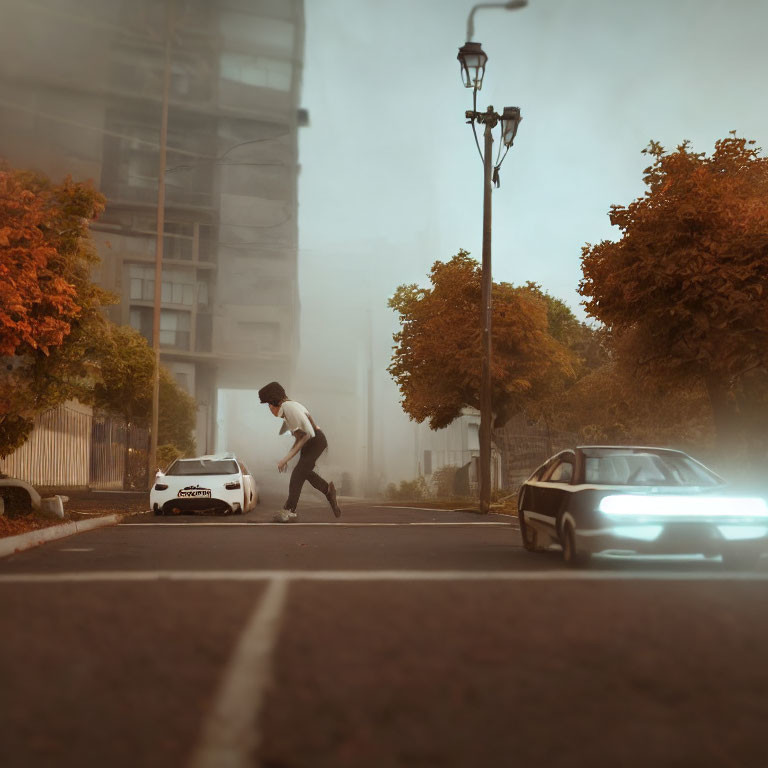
[(382, 575), (75, 549), (230, 735)]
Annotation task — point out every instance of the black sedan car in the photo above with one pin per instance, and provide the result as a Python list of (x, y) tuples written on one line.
[(626, 499)]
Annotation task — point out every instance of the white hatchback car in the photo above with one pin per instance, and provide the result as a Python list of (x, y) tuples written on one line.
[(219, 484)]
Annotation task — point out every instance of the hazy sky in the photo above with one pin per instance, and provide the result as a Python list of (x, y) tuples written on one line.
[(389, 165), (391, 179)]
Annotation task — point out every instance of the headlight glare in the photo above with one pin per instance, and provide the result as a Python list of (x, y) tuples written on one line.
[(629, 505)]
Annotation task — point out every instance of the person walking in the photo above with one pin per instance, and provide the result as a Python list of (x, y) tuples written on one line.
[(309, 442)]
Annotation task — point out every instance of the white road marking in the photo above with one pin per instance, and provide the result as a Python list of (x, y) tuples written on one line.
[(432, 509), (312, 525), (384, 575), (422, 509), (230, 735), (76, 549)]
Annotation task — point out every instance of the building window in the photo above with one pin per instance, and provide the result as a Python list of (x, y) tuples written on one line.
[(202, 293), (177, 242), (174, 326), (259, 71), (174, 329), (141, 319), (142, 281), (179, 286)]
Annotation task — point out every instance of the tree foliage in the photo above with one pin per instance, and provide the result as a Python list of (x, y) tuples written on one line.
[(551, 399), (126, 367), (50, 319), (125, 384), (177, 417), (611, 406), (55, 343), (685, 289), (45, 259), (437, 355)]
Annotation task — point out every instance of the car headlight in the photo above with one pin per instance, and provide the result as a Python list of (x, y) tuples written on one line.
[(742, 532), (161, 487), (650, 506), (233, 486)]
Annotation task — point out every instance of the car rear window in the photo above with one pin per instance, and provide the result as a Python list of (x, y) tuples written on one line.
[(203, 467)]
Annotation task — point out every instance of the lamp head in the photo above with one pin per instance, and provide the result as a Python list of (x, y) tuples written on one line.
[(510, 120), (472, 59)]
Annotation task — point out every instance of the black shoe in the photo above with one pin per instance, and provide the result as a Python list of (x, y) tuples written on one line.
[(331, 496)]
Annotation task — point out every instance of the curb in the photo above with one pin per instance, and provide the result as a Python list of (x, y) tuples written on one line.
[(12, 544)]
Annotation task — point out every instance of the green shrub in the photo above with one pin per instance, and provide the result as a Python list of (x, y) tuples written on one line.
[(409, 490), (443, 480), (166, 454)]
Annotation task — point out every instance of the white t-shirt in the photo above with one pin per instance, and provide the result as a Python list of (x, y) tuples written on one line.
[(295, 416)]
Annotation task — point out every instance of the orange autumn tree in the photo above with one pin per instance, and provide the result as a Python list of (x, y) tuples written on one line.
[(50, 323), (437, 355), (37, 302), (685, 289)]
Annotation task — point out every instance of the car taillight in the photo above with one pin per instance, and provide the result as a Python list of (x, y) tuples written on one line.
[(233, 486), (161, 487)]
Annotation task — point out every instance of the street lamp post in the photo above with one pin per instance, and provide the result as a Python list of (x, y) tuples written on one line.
[(473, 59), (158, 296)]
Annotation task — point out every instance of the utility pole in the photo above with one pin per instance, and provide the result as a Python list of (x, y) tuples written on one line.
[(473, 59), (152, 459), (486, 404), (370, 472)]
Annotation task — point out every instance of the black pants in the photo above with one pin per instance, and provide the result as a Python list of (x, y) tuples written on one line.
[(304, 470)]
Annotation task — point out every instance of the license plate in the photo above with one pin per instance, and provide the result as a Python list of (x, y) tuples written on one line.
[(195, 493)]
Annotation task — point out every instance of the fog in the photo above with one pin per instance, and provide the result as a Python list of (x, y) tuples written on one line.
[(391, 180), (388, 174)]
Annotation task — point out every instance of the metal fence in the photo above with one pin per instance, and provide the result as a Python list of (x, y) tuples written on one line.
[(118, 455), (524, 445), (71, 447)]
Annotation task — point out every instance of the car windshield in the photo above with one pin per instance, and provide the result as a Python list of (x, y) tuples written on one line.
[(203, 467), (648, 469)]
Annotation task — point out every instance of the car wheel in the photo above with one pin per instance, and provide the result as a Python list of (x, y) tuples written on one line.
[(159, 510), (740, 561), (571, 557)]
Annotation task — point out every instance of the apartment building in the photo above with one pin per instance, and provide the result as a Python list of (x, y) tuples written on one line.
[(81, 91)]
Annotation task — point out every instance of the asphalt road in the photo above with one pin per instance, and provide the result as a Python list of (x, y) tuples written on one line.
[(392, 637)]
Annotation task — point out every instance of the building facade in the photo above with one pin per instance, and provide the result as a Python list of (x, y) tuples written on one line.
[(81, 93)]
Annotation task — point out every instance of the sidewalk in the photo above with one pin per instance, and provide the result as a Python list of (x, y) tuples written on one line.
[(10, 545), (83, 511)]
